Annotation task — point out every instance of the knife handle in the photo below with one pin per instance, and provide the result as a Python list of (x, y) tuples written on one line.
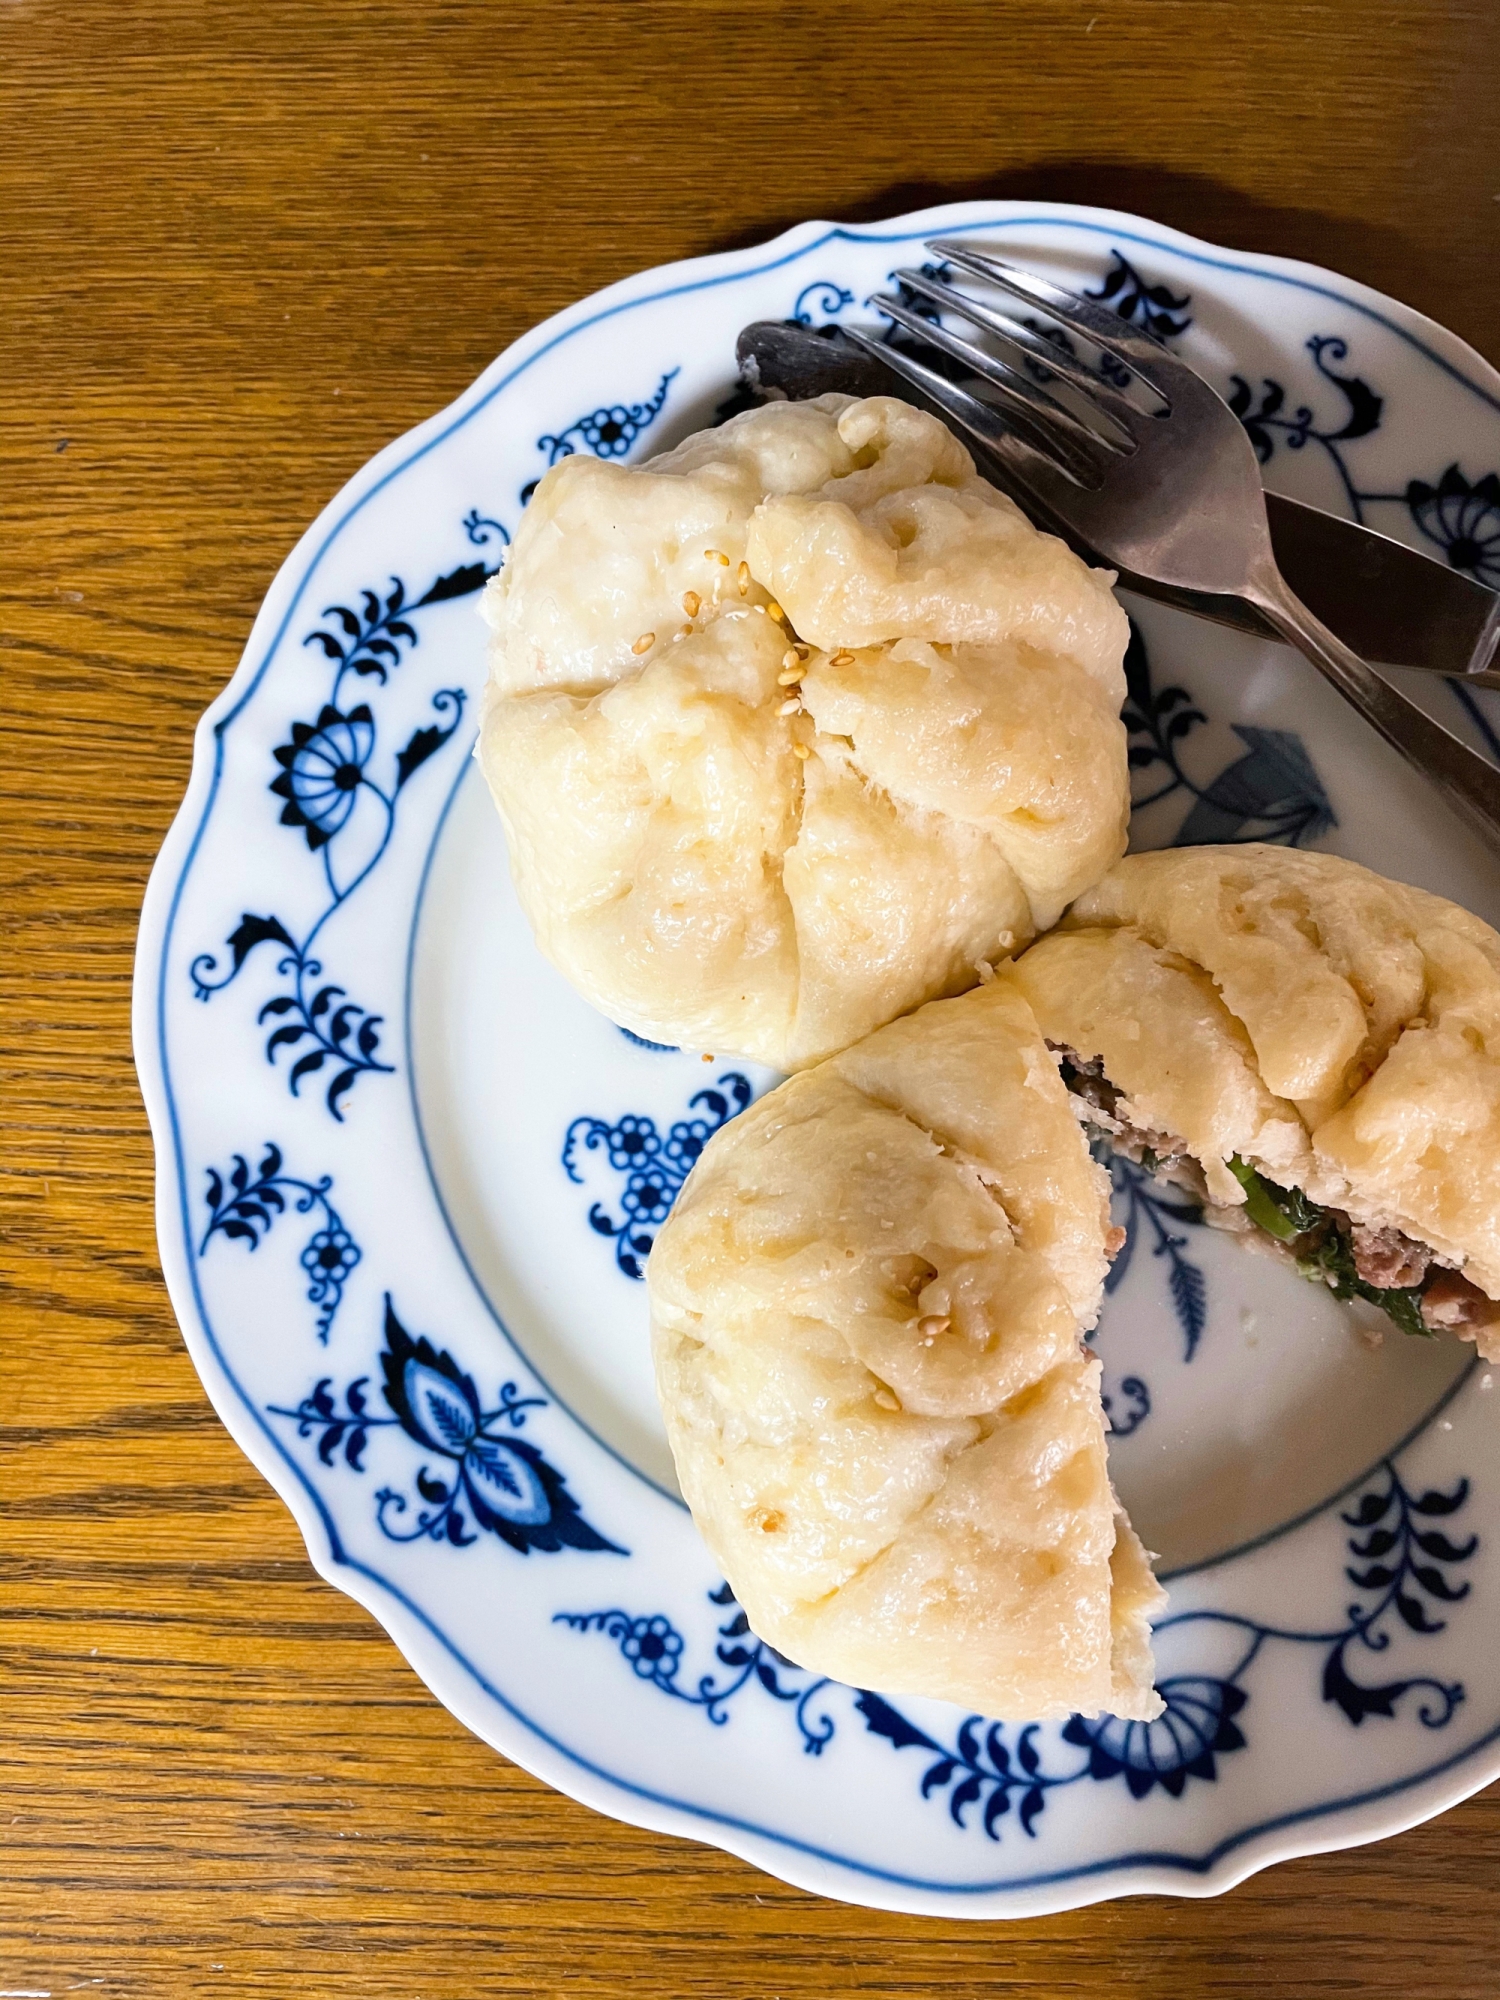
[(1469, 782)]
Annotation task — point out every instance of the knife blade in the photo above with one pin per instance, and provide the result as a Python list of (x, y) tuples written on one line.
[(1390, 603)]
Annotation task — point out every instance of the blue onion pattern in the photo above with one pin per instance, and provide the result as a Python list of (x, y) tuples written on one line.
[(653, 1647), (822, 296), (652, 1165), (1272, 793), (326, 766), (489, 1478), (243, 1205), (987, 1770), (1153, 306), (609, 431), (1138, 1199), (1463, 520), (322, 768), (1461, 517), (1196, 1726), (1127, 1405), (328, 1258)]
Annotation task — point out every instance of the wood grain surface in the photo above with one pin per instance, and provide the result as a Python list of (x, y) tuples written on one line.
[(242, 245)]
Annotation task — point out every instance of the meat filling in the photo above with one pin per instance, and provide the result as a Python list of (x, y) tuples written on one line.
[(1158, 1152), (1354, 1259), (1453, 1301), (1386, 1259)]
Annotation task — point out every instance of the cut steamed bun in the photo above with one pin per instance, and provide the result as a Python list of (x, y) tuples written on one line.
[(794, 727), (867, 1307), (1311, 1048)]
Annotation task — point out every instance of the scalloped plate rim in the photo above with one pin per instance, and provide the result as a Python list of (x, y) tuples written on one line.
[(453, 1680)]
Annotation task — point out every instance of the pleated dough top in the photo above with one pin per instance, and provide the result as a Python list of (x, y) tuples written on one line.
[(867, 1306), (1335, 1029), (722, 858)]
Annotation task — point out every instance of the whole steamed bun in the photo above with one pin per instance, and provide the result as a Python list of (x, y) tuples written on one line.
[(720, 854)]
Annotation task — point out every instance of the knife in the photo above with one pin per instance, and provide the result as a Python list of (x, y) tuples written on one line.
[(1388, 602)]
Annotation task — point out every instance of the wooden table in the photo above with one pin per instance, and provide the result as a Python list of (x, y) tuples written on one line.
[(244, 245)]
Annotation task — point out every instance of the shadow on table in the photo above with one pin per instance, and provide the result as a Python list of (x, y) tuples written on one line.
[(1378, 255)]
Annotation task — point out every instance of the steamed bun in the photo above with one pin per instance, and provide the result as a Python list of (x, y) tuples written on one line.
[(1336, 1032), (866, 1311), (711, 871)]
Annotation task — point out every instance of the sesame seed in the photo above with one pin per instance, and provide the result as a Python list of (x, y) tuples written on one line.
[(791, 657), (717, 555), (644, 644), (932, 1324), (842, 658), (683, 632), (802, 750), (692, 603), (742, 578), (774, 610), (789, 677), (887, 1399), (791, 706)]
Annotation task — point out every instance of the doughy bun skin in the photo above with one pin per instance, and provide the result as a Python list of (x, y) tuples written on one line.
[(720, 856), (866, 1308), (1338, 1032)]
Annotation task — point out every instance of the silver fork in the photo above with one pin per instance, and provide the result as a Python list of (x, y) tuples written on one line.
[(1173, 494)]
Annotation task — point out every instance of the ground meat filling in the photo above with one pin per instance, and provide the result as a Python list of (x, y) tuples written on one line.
[(1451, 1300), (1158, 1152), (1085, 1077), (1385, 1258), (1358, 1260), (1354, 1259)]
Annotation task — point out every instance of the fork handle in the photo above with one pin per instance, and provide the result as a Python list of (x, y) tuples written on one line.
[(1469, 782)]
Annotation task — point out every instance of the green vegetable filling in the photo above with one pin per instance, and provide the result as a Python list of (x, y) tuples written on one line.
[(1284, 1213), (1327, 1255)]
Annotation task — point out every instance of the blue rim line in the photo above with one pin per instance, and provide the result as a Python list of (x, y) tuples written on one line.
[(836, 234), (1343, 1492), (481, 1290), (1145, 1859)]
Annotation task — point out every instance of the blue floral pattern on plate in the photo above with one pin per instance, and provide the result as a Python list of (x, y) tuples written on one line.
[(1406, 1568), (652, 1166), (406, 1473), (653, 1647), (243, 1204), (324, 770), (506, 1485)]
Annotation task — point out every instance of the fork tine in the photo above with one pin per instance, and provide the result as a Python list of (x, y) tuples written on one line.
[(1138, 351), (1080, 450), (1030, 461), (1031, 346)]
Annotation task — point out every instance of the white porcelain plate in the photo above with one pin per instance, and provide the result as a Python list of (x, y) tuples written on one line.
[(407, 1179)]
